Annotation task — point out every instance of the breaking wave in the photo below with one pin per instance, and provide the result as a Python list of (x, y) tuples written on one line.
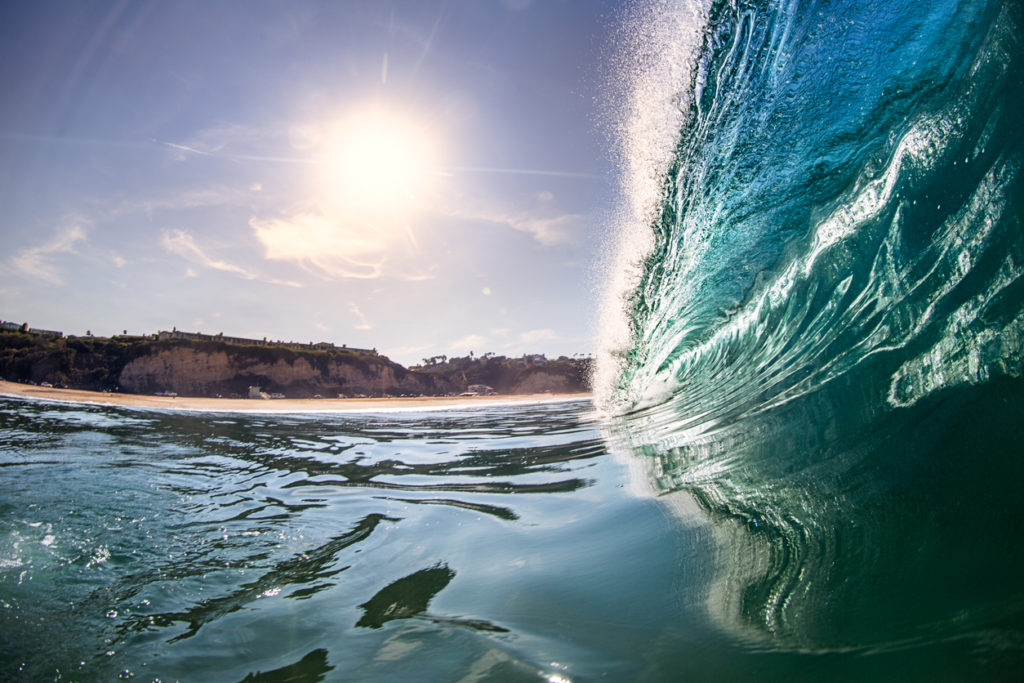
[(815, 326)]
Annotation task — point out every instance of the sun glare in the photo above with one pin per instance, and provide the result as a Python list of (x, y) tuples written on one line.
[(378, 165)]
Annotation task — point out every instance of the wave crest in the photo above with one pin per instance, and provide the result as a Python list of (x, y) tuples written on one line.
[(829, 320)]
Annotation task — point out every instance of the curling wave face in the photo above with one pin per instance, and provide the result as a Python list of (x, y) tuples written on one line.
[(827, 331)]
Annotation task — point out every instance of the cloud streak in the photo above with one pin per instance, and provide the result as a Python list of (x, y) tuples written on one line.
[(37, 262), (322, 246), (242, 157), (534, 336), (363, 324), (340, 247), (183, 244), (520, 171), (551, 231), (468, 343)]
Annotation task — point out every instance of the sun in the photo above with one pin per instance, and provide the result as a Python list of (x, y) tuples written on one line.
[(379, 164)]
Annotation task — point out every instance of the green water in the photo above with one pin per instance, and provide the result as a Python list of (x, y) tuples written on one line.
[(826, 345), (414, 546), (492, 544)]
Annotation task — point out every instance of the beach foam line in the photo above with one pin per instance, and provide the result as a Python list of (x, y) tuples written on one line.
[(280, 406)]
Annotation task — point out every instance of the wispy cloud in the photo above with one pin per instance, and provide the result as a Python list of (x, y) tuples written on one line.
[(520, 171), (408, 352), (549, 231), (276, 159), (209, 141), (533, 336), (186, 148), (37, 262), (363, 323), (240, 143), (340, 247), (471, 342), (183, 244), (321, 245)]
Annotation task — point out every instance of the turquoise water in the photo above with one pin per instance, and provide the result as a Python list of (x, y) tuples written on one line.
[(485, 543), (503, 544), (826, 329)]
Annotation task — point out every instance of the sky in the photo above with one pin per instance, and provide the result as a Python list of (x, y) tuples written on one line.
[(421, 177)]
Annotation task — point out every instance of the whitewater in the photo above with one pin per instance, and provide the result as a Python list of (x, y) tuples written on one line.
[(802, 460)]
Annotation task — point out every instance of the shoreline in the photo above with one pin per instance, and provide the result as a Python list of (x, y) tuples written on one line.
[(280, 405)]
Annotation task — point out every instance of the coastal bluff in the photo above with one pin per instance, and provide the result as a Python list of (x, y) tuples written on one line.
[(201, 368)]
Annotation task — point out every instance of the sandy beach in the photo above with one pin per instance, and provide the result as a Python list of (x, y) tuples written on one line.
[(286, 405)]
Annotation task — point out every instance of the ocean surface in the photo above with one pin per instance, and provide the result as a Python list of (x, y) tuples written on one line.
[(485, 544), (804, 460), (492, 544)]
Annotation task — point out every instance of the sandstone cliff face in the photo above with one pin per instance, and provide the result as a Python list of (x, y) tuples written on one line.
[(209, 368), (514, 376), (192, 371), (184, 371), (540, 381)]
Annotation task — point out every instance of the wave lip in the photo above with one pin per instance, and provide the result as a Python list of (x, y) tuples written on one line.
[(660, 48)]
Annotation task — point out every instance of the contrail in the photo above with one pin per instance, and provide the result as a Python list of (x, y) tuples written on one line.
[(518, 171), (186, 148), (444, 169), (240, 157)]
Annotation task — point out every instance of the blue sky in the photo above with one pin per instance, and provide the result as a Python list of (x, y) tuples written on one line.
[(420, 177)]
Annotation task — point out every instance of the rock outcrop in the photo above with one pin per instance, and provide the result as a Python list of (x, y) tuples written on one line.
[(144, 365), (525, 375), (191, 370), (196, 368), (541, 381)]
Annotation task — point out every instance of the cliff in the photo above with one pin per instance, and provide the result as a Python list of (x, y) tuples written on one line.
[(144, 365), (525, 375), (196, 368)]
